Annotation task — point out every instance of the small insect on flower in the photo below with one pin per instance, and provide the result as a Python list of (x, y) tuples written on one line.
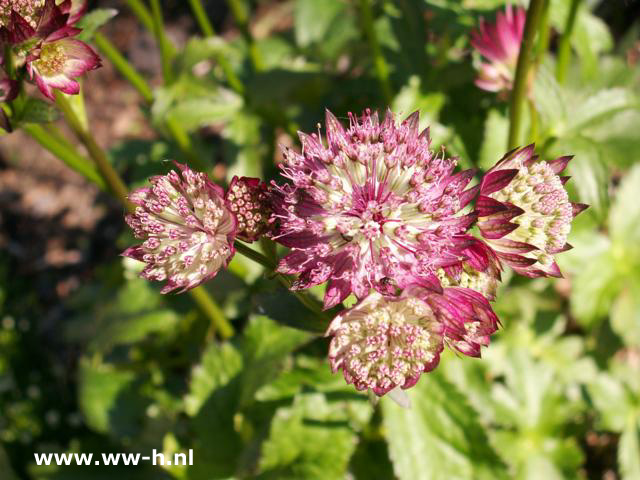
[(524, 212), (374, 207), (188, 230), (499, 43)]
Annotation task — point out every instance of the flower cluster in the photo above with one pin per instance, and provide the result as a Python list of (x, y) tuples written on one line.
[(372, 211), (499, 43), (40, 36)]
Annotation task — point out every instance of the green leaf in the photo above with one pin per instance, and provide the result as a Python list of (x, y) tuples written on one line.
[(590, 38), (625, 315), (412, 97), (611, 402), (213, 403), (440, 436), (313, 19), (266, 344), (624, 218), (587, 170), (93, 20), (598, 108), (594, 289), (496, 129), (218, 365), (311, 439), (107, 400), (198, 112), (629, 450)]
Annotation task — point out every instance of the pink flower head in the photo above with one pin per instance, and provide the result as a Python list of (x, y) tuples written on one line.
[(382, 342), (387, 342), (57, 64), (248, 199), (499, 43), (524, 212), (188, 230), (374, 207)]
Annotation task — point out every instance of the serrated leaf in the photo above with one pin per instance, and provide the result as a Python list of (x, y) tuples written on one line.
[(440, 437), (265, 346), (106, 398), (93, 20), (218, 365), (611, 402), (311, 439), (194, 113), (625, 315), (213, 403), (599, 107)]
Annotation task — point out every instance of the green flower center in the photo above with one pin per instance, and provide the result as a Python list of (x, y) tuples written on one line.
[(52, 60)]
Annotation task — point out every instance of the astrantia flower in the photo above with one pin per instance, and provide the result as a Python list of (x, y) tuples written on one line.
[(524, 211), (499, 43), (373, 208), (248, 199), (57, 64), (187, 228), (40, 32), (382, 343)]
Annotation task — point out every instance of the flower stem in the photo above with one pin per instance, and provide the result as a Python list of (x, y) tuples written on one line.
[(110, 176), (119, 189), (533, 115), (240, 12), (564, 44), (544, 32), (270, 264), (380, 64), (201, 17), (140, 10), (123, 66), (60, 149), (212, 310), (165, 50), (519, 92)]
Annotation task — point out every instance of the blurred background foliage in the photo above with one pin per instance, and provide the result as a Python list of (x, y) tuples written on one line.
[(110, 365)]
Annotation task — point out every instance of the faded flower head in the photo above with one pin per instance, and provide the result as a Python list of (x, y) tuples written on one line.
[(374, 207), (524, 211), (499, 43), (479, 270), (382, 343), (187, 229), (248, 199)]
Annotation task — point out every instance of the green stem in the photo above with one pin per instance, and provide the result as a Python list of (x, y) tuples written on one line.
[(533, 115), (202, 18), (165, 50), (119, 189), (240, 12), (270, 265), (380, 64), (61, 149), (140, 84), (544, 32), (110, 176), (212, 310), (140, 10), (519, 92), (123, 66), (564, 44)]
